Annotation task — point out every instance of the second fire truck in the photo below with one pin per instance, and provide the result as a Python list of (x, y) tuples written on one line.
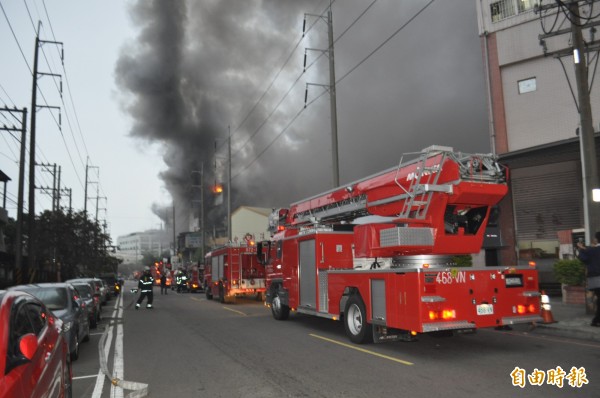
[(233, 270), (379, 253)]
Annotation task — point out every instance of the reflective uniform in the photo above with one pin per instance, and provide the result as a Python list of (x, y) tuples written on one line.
[(145, 286)]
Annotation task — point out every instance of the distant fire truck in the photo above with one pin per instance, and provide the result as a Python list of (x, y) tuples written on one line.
[(379, 252), (233, 270)]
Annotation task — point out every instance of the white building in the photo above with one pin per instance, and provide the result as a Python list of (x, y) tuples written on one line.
[(131, 247)]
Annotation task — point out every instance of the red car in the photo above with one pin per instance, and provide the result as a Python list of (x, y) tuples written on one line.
[(34, 355)]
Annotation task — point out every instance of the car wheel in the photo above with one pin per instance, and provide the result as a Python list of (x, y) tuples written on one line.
[(68, 383), (87, 333), (75, 351), (94, 322)]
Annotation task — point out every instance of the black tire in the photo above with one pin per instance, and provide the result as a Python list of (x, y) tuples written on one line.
[(221, 294), (355, 321), (75, 352), (86, 338), (94, 322), (208, 295), (68, 379), (280, 311)]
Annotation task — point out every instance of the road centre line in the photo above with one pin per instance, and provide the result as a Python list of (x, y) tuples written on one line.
[(363, 350), (236, 311)]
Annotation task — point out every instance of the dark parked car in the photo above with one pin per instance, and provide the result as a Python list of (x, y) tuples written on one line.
[(92, 303), (34, 356), (62, 299), (112, 283), (97, 286)]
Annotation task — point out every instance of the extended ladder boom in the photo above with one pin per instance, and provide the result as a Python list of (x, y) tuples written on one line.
[(405, 191)]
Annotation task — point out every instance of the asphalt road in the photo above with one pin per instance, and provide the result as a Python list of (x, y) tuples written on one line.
[(188, 346)]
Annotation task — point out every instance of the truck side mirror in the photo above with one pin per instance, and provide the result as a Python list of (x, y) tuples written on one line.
[(262, 259)]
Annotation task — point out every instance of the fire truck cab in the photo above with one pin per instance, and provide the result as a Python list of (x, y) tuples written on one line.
[(233, 270)]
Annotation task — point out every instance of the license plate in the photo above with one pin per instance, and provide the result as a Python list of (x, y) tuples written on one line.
[(485, 309)]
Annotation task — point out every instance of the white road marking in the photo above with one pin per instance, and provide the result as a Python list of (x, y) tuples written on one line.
[(100, 379), (118, 364)]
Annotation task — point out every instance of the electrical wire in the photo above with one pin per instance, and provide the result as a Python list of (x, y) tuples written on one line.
[(385, 41), (246, 167), (271, 85), (16, 39), (298, 78)]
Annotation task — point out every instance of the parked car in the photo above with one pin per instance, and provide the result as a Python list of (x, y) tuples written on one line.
[(63, 301), (107, 290), (96, 285), (92, 302), (34, 355), (112, 283)]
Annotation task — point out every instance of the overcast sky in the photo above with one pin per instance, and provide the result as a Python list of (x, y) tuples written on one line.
[(154, 84)]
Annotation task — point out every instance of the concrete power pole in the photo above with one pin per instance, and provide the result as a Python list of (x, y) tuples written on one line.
[(332, 92), (19, 228), (32, 133)]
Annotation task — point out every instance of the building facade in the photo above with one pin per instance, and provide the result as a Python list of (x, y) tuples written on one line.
[(132, 247), (534, 123)]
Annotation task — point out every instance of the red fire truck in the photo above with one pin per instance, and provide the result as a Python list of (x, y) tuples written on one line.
[(233, 270), (379, 252)]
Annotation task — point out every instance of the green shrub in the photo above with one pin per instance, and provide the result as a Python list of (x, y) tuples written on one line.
[(570, 272), (463, 261)]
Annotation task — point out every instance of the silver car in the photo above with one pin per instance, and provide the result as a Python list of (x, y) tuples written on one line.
[(64, 301)]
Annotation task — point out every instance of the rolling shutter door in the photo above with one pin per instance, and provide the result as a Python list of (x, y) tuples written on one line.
[(547, 199)]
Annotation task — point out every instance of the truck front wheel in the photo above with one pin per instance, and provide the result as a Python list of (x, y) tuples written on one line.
[(355, 321), (280, 311)]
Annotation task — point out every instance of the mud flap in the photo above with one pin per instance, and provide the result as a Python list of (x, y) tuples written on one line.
[(383, 334)]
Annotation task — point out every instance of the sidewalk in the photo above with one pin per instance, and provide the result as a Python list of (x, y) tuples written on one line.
[(571, 321)]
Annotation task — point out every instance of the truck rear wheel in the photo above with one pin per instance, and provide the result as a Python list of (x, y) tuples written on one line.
[(280, 311), (355, 321)]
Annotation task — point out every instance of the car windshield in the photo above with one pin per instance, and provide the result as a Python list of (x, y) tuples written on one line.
[(54, 298)]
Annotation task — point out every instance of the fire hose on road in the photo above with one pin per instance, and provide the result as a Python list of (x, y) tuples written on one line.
[(137, 389)]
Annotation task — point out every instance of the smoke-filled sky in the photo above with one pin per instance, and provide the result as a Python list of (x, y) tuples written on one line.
[(183, 74)]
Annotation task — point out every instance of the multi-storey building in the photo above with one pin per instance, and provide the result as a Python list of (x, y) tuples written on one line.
[(134, 245), (534, 122)]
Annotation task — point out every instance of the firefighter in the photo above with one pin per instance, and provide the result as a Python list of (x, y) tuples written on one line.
[(145, 286), (163, 284), (178, 280)]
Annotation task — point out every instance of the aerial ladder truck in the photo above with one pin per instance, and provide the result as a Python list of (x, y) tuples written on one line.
[(379, 253)]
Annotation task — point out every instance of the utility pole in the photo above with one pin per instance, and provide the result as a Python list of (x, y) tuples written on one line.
[(229, 187), (87, 182), (579, 49), (68, 191), (50, 168), (332, 91), (32, 132), (21, 188), (201, 220)]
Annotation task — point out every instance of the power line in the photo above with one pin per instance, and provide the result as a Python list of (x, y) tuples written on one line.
[(245, 168), (385, 41), (16, 39), (271, 85), (297, 79)]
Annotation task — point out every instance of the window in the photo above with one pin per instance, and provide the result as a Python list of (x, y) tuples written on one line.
[(527, 85), (503, 9)]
